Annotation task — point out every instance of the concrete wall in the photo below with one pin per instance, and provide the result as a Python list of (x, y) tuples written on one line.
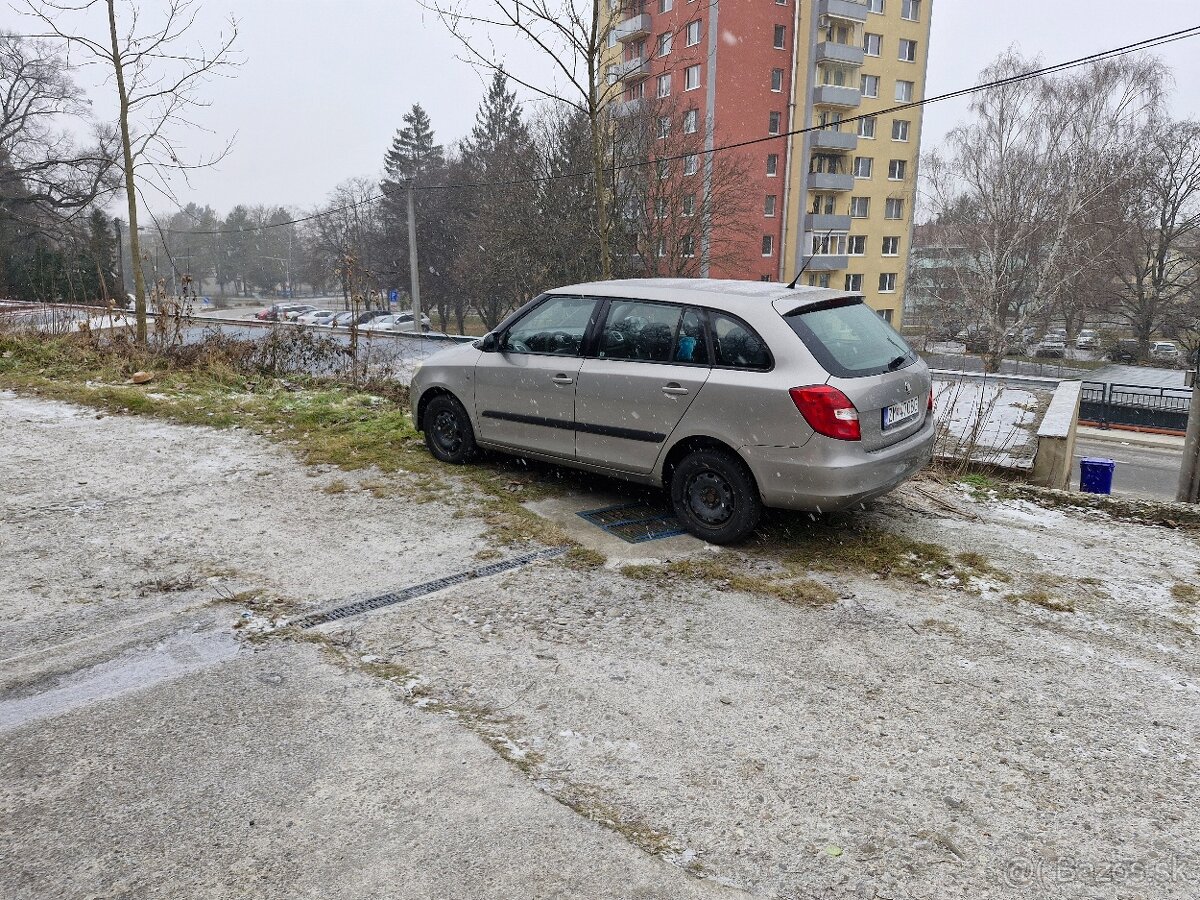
[(1056, 438)]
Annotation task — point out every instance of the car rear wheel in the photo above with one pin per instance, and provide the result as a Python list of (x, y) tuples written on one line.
[(448, 432), (715, 497)]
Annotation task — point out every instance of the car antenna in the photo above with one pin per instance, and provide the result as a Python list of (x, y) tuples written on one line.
[(804, 268)]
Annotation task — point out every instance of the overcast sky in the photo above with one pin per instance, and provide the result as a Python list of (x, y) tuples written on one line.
[(325, 82)]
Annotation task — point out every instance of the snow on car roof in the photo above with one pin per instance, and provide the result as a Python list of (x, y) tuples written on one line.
[(732, 295)]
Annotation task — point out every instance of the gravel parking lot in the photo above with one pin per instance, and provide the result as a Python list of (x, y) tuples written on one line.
[(1023, 725)]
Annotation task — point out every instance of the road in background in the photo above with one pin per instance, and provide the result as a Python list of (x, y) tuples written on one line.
[(1147, 465)]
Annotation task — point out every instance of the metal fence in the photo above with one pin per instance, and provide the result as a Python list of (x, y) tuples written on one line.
[(1135, 404)]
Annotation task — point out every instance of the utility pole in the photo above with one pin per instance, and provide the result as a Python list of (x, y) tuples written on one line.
[(1189, 472), (414, 270)]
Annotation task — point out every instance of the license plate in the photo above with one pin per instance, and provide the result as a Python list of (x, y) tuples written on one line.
[(899, 413)]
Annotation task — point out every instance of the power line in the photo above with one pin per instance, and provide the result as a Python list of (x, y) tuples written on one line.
[(1113, 53)]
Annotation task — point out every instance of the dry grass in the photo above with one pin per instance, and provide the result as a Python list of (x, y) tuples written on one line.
[(1042, 598), (737, 576), (1183, 592)]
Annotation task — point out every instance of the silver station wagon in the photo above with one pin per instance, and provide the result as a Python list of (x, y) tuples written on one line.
[(731, 395)]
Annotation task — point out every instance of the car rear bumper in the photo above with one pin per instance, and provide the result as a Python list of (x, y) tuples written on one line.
[(827, 475)]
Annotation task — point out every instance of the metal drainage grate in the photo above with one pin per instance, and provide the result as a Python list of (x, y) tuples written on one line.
[(636, 522), (420, 590)]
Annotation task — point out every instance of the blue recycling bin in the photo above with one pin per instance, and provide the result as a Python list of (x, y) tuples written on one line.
[(1096, 475)]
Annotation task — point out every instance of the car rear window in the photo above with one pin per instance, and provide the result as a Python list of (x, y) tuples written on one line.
[(849, 339)]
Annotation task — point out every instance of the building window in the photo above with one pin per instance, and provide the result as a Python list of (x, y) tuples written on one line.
[(773, 122), (687, 247), (666, 5), (870, 86), (692, 33), (856, 245), (899, 129), (891, 246), (660, 208), (780, 36), (887, 283), (769, 206), (664, 127), (637, 92), (691, 78), (904, 91), (664, 43), (688, 206), (860, 207), (873, 44), (768, 245), (854, 283), (886, 315), (662, 247), (866, 127), (691, 164), (863, 166), (772, 164), (664, 169), (824, 204), (828, 245), (875, 6), (821, 280), (908, 50), (691, 121), (910, 9), (777, 80), (893, 208), (897, 169), (664, 85)]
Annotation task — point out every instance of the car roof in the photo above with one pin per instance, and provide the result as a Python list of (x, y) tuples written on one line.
[(729, 295)]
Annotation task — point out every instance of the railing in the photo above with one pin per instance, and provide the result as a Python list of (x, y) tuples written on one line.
[(1135, 404)]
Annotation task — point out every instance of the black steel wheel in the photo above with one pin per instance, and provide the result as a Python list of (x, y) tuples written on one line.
[(448, 432), (715, 497)]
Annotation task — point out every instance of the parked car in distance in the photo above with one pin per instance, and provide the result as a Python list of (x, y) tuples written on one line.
[(1087, 339), (341, 320), (1124, 351), (316, 317), (397, 322), (1165, 351), (1051, 347), (381, 323), (292, 315), (731, 395), (276, 311)]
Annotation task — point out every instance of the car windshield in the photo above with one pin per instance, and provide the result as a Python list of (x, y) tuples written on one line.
[(849, 339)]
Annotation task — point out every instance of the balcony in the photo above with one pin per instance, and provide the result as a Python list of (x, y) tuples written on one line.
[(628, 108), (630, 70), (836, 141), (843, 9), (637, 27), (826, 263), (830, 181), (839, 54), (824, 224), (835, 95)]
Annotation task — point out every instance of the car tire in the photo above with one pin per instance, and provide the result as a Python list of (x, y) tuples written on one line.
[(715, 497), (448, 432)]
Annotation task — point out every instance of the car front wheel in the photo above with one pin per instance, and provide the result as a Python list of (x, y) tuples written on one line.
[(715, 497), (448, 432)]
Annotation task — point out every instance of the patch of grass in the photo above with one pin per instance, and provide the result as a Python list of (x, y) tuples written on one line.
[(584, 559), (797, 590), (978, 481), (1185, 593), (1042, 598), (336, 486)]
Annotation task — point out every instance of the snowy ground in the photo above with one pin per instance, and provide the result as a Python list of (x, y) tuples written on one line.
[(989, 422), (915, 739)]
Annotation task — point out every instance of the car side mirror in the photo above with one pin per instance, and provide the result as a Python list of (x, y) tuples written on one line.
[(490, 343)]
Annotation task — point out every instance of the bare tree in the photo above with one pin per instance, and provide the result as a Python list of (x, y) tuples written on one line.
[(677, 217), (1153, 269), (572, 36), (1038, 161), (157, 70)]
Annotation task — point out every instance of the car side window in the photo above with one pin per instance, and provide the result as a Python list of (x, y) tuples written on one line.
[(557, 327), (637, 330), (736, 345), (691, 345)]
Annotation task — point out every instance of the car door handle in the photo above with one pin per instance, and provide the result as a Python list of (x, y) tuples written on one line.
[(563, 379), (674, 389)]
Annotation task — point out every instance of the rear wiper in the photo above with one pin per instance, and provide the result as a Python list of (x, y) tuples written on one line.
[(897, 362)]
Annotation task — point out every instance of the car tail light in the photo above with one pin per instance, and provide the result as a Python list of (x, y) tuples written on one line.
[(828, 411)]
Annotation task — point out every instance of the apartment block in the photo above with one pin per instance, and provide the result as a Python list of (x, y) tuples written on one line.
[(835, 202)]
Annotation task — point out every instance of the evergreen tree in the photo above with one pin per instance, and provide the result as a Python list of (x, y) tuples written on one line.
[(413, 151)]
